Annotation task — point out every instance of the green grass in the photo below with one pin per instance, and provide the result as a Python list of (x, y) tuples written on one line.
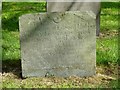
[(109, 22), (107, 46), (109, 16), (10, 14), (107, 50), (11, 45), (11, 11)]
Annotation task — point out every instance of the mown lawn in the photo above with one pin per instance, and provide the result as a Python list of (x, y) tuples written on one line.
[(106, 50)]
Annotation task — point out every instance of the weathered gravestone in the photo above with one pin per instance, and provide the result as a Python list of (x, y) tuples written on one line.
[(85, 5), (60, 44)]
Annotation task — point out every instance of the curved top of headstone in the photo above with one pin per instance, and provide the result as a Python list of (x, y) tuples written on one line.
[(87, 14)]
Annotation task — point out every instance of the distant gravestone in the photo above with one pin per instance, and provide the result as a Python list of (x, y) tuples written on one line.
[(60, 44), (73, 5)]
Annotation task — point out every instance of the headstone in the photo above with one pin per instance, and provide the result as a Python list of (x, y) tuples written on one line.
[(60, 44), (57, 6)]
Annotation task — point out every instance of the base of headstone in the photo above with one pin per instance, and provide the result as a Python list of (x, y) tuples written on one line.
[(59, 44)]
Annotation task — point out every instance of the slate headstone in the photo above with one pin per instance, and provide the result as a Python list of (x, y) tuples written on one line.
[(60, 44)]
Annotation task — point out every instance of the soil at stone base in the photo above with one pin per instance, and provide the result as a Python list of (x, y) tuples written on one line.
[(104, 74)]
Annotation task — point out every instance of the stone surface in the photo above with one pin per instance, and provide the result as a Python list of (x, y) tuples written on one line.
[(60, 44)]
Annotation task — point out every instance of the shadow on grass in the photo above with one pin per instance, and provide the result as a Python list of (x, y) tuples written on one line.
[(110, 4), (13, 66), (11, 12), (12, 23)]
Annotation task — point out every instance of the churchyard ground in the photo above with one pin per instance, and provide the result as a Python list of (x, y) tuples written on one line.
[(106, 50)]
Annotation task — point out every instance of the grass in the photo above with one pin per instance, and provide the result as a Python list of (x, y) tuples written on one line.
[(107, 50), (11, 45), (106, 47), (10, 13), (109, 16)]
